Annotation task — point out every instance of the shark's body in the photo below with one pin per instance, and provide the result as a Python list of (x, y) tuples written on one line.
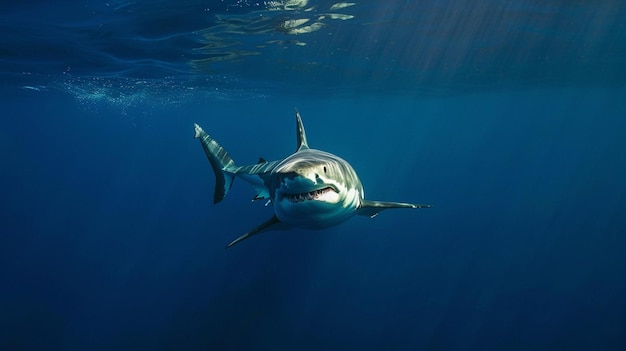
[(309, 189)]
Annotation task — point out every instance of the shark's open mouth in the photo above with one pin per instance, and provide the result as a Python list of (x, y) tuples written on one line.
[(311, 195)]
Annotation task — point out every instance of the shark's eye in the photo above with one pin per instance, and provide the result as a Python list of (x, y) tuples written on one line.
[(324, 169)]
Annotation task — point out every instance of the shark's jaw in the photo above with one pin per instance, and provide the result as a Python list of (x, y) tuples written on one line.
[(314, 189), (326, 194)]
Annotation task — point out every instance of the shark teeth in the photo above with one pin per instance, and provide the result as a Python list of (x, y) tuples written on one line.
[(311, 195)]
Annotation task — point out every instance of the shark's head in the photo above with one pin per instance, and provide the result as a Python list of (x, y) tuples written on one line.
[(315, 189)]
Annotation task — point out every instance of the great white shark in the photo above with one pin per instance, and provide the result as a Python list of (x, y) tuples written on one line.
[(309, 189)]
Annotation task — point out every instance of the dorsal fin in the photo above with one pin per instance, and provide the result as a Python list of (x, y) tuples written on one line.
[(300, 133), (261, 160)]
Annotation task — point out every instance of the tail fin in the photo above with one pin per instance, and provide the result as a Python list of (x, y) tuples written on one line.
[(220, 162)]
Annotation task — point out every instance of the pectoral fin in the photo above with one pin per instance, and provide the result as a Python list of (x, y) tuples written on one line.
[(274, 221), (372, 208)]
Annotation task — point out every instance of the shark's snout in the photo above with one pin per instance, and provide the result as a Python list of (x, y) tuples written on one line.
[(303, 182)]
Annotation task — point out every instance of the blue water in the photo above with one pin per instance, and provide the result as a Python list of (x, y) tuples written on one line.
[(508, 116)]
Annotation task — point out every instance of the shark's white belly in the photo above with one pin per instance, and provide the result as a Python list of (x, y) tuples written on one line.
[(312, 214), (317, 211)]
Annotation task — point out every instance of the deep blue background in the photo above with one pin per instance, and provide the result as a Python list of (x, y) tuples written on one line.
[(109, 239)]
